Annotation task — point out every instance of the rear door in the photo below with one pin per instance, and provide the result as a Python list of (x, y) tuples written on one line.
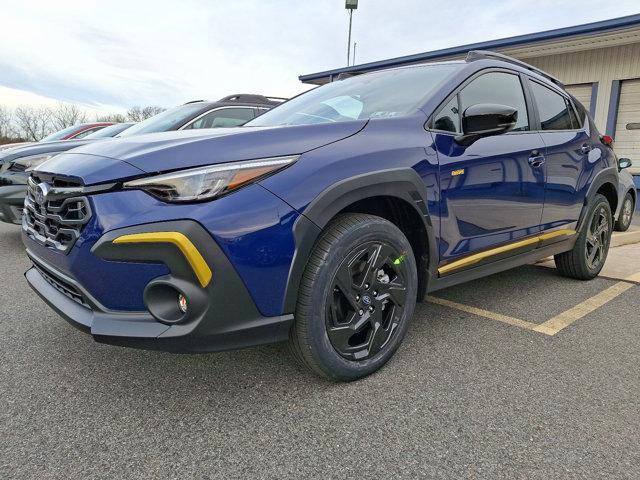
[(567, 147), (491, 195)]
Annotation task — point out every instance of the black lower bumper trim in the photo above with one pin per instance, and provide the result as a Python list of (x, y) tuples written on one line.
[(225, 315)]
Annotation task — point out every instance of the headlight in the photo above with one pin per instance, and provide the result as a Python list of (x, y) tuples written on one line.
[(204, 183), (29, 163)]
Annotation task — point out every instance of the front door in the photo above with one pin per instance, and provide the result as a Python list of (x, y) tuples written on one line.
[(492, 191)]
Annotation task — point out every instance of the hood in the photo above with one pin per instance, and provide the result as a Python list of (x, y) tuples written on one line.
[(158, 152), (38, 148), (88, 169)]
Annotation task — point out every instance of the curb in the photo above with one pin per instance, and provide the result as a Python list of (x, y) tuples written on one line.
[(625, 238)]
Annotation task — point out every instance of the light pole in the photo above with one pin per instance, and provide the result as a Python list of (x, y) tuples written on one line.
[(350, 5)]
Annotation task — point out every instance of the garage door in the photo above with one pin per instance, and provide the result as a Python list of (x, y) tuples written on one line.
[(582, 93), (627, 137)]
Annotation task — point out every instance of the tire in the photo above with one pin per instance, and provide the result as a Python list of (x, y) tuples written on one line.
[(626, 214), (343, 330), (589, 253)]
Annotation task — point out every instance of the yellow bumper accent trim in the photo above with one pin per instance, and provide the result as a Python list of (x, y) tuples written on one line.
[(196, 260), (477, 257)]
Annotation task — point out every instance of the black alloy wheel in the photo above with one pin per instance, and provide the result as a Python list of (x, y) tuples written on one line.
[(356, 298), (597, 239), (589, 253), (367, 300)]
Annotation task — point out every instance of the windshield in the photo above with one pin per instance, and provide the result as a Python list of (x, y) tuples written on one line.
[(171, 119), (383, 94), (109, 132), (61, 134)]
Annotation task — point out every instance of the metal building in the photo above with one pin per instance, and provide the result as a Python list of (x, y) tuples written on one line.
[(598, 62)]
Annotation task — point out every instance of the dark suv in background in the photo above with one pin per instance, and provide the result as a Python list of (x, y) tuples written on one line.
[(230, 111)]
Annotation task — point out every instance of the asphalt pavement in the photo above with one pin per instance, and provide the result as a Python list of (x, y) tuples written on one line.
[(467, 395)]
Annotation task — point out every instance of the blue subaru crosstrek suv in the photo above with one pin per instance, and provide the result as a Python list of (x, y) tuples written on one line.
[(324, 220)]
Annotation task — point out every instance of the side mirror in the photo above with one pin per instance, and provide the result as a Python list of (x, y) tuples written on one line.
[(485, 120), (624, 163)]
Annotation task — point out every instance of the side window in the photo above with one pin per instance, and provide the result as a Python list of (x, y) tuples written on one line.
[(86, 132), (448, 119), (582, 113), (572, 114), (552, 107), (225, 117), (499, 88)]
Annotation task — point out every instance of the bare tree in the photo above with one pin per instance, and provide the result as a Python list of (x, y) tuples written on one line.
[(112, 117), (6, 128), (67, 115), (33, 123), (137, 114)]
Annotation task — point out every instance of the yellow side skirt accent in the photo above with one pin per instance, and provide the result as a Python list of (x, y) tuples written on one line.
[(196, 261), (477, 257)]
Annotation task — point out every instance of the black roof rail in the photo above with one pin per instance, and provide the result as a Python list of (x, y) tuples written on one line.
[(345, 75), (474, 55), (194, 101), (251, 98)]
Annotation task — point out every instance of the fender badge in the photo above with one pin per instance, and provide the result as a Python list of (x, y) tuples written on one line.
[(455, 173)]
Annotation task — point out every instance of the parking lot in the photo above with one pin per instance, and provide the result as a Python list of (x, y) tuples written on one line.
[(519, 375)]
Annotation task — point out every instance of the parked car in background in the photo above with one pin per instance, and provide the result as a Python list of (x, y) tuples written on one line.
[(7, 146), (627, 197), (16, 165), (324, 220), (76, 131), (229, 111)]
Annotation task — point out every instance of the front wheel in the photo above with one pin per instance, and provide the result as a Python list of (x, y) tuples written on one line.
[(589, 253), (356, 298)]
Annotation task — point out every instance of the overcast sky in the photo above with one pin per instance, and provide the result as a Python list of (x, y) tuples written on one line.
[(113, 54)]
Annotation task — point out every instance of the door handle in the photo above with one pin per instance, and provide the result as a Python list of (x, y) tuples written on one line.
[(585, 149), (536, 160)]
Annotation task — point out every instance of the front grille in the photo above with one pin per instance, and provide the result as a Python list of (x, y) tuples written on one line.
[(67, 289), (55, 220)]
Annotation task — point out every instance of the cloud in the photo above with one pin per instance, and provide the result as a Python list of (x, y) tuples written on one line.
[(121, 53)]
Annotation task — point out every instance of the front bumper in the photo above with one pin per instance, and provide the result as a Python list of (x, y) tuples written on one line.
[(221, 313)]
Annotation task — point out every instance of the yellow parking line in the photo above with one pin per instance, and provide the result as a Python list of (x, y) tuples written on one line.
[(634, 278), (557, 323), (484, 313), (566, 318)]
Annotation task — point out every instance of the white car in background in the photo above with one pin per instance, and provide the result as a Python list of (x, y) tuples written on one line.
[(627, 197)]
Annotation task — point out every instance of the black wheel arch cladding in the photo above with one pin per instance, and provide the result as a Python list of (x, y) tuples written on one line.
[(402, 183)]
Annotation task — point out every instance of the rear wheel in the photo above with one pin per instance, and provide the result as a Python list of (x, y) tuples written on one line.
[(626, 214), (589, 253), (356, 299)]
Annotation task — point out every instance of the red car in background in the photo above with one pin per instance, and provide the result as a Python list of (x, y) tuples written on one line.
[(76, 131)]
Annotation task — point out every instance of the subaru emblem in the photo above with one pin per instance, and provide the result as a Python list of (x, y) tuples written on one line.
[(41, 193)]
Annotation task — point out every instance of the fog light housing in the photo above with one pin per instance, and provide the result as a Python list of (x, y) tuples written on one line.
[(182, 303), (166, 303)]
